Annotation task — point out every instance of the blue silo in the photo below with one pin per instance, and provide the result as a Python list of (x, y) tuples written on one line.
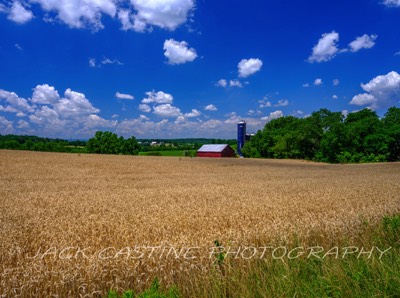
[(241, 138)]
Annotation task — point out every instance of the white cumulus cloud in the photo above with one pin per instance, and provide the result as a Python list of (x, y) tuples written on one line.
[(80, 13), (178, 52), (19, 14), (45, 94), (95, 121), (145, 108), (127, 20), (298, 113), (167, 110), (222, 83), (159, 97), (45, 115), (74, 104), (318, 82), (235, 83), (282, 103), (363, 42), (124, 96), (193, 113), (185, 127), (326, 48), (247, 67), (180, 120), (381, 92), (264, 103), (23, 124), (10, 109), (273, 115), (166, 14), (6, 126), (138, 15), (210, 108), (48, 113), (363, 99), (14, 102)]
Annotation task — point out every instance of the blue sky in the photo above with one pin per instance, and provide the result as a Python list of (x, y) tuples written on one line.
[(187, 68)]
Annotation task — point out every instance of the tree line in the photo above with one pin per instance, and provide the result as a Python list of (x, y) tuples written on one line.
[(330, 137), (105, 142), (34, 143), (102, 143)]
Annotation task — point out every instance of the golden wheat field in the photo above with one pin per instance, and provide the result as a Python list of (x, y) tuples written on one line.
[(78, 225)]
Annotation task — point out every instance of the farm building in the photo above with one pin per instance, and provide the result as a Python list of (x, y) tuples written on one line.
[(221, 150)]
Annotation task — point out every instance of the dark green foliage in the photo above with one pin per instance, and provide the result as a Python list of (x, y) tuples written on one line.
[(33, 143), (106, 142), (391, 227), (153, 292), (391, 126), (326, 136), (130, 146), (220, 256)]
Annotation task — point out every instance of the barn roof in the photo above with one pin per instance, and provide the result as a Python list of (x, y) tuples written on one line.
[(213, 148)]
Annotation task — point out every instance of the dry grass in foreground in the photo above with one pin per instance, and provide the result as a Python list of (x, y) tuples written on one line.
[(79, 225)]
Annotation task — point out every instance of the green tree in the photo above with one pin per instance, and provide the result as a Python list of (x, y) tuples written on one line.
[(11, 144), (327, 136), (104, 142), (391, 126), (333, 142), (28, 145), (359, 125), (326, 120), (392, 117), (130, 146)]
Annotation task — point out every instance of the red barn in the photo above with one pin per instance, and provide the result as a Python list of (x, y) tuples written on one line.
[(221, 150)]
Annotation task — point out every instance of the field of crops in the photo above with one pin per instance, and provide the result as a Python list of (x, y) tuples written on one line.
[(78, 225)]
